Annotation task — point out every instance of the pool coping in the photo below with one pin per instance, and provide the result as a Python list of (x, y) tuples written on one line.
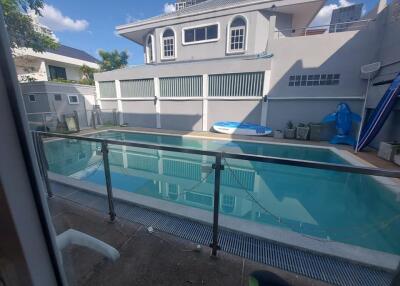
[(352, 253)]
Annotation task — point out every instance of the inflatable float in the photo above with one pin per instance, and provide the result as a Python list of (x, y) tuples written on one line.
[(237, 128)]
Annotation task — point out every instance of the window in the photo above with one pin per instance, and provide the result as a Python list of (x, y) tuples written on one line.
[(57, 97), (237, 35), (57, 73), (73, 99), (149, 49), (314, 80), (32, 98), (168, 44), (202, 34)]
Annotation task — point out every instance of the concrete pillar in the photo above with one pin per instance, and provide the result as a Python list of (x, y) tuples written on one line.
[(205, 102), (98, 97), (264, 102), (158, 102), (119, 101), (271, 32)]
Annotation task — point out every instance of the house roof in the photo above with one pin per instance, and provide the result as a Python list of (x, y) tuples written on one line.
[(203, 6), (66, 51)]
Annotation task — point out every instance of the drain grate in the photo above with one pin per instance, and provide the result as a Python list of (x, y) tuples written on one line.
[(320, 267)]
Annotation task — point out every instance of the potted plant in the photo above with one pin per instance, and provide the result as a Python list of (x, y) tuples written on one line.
[(302, 131), (315, 131), (290, 131), (278, 134)]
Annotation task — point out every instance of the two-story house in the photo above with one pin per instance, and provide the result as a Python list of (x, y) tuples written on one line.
[(244, 60)]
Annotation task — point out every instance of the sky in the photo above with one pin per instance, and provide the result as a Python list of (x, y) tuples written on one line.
[(89, 25)]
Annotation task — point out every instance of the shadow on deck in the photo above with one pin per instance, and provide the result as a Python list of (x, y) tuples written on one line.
[(147, 258)]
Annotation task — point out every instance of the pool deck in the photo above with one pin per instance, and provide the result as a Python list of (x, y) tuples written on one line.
[(369, 155), (148, 258)]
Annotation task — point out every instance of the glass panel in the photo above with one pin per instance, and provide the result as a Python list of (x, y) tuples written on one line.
[(189, 35), (212, 32), (321, 205), (200, 34)]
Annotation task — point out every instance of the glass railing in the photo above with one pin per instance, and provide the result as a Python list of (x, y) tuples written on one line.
[(341, 210)]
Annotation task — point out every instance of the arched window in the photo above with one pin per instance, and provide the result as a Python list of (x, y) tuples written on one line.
[(168, 44), (149, 49), (237, 35)]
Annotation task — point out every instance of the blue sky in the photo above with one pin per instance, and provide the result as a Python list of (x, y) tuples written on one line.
[(89, 24)]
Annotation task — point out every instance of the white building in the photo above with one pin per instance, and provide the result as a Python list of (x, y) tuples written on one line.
[(62, 63)]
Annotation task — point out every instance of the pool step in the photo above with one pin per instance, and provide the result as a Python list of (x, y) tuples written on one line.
[(325, 268)]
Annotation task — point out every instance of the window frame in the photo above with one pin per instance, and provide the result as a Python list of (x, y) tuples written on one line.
[(147, 48), (30, 98), (71, 102), (229, 35), (56, 96), (53, 67), (162, 38), (184, 43)]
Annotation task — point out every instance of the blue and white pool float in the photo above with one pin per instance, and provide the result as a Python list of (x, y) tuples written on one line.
[(238, 128)]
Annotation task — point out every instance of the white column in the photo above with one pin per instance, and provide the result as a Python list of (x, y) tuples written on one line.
[(271, 32), (158, 102), (205, 102), (98, 98), (264, 103), (119, 101)]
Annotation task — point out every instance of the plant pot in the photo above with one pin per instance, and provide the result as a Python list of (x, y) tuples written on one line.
[(302, 133), (278, 134), (315, 132), (387, 150), (290, 133)]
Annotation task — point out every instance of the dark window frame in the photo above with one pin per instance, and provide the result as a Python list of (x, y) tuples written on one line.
[(56, 72)]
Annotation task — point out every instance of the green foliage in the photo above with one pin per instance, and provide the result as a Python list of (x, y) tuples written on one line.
[(82, 81), (113, 60), (20, 26), (87, 73)]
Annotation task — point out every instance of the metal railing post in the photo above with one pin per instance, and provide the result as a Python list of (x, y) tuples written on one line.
[(217, 183), (94, 119), (44, 122), (104, 150), (42, 161)]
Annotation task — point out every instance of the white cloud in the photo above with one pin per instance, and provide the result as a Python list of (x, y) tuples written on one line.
[(56, 21), (169, 8), (325, 14)]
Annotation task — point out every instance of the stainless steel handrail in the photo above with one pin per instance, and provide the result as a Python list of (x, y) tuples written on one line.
[(247, 157), (217, 166)]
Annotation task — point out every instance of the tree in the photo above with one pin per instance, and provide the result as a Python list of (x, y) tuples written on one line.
[(20, 26), (113, 60), (88, 77)]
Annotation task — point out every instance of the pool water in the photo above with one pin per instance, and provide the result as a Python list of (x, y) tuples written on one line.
[(349, 208)]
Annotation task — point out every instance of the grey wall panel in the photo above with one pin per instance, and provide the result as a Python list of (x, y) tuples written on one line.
[(62, 107), (140, 113), (40, 105), (306, 111), (107, 111), (181, 115), (241, 110)]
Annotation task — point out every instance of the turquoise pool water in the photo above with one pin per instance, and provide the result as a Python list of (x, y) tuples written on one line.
[(349, 208)]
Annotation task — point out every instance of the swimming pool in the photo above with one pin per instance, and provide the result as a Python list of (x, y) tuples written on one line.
[(332, 206)]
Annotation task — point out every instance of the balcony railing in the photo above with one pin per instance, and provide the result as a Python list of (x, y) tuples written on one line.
[(324, 29), (220, 159)]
